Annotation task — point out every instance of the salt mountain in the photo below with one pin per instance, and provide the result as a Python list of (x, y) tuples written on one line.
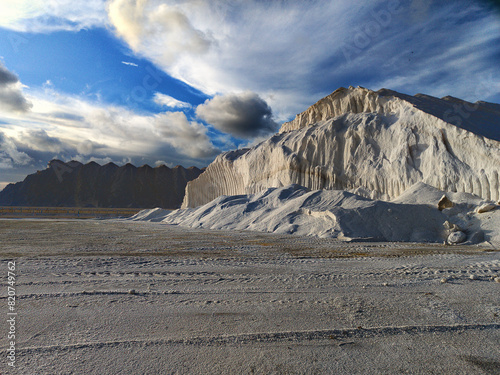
[(376, 144)]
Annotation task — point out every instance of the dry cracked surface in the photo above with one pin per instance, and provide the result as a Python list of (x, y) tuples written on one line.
[(115, 297)]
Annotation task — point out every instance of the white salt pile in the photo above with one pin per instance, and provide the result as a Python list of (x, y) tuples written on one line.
[(152, 215), (414, 216), (381, 143)]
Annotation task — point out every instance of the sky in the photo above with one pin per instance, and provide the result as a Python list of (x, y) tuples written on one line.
[(178, 82)]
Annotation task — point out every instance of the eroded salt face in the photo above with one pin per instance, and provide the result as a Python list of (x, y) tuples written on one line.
[(377, 144)]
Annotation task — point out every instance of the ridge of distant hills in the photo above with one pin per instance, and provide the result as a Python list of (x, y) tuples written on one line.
[(74, 184)]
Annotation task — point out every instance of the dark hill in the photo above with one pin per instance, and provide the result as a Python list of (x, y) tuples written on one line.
[(74, 184)]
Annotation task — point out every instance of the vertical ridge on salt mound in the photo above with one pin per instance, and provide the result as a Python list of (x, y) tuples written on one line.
[(377, 144)]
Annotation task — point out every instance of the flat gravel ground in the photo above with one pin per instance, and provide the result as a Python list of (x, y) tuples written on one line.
[(121, 297)]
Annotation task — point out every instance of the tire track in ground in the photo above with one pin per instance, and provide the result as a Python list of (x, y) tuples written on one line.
[(271, 337)]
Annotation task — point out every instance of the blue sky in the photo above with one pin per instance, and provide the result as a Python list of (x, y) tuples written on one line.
[(177, 82), (91, 63)]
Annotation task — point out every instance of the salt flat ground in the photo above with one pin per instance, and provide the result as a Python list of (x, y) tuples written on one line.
[(117, 297)]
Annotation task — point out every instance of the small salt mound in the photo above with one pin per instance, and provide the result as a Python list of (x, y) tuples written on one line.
[(152, 215), (421, 193), (477, 217), (412, 217), (324, 213)]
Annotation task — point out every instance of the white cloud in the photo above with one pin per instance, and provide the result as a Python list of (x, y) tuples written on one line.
[(441, 65), (69, 127), (168, 101), (189, 137), (38, 139), (51, 15), (293, 53), (162, 162), (86, 147), (159, 26), (10, 156), (221, 47)]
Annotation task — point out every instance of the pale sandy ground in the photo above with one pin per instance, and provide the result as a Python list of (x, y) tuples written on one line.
[(242, 303)]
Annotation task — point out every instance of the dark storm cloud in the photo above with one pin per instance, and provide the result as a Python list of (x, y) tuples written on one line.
[(11, 95), (244, 115), (40, 140), (6, 76)]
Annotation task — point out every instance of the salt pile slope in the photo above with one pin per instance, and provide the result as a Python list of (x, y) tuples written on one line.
[(324, 213), (296, 210), (376, 144), (153, 215)]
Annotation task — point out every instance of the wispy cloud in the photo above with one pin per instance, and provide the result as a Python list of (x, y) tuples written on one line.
[(130, 63), (168, 101), (293, 53), (51, 15)]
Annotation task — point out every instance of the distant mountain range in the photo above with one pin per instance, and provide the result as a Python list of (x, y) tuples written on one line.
[(74, 184)]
